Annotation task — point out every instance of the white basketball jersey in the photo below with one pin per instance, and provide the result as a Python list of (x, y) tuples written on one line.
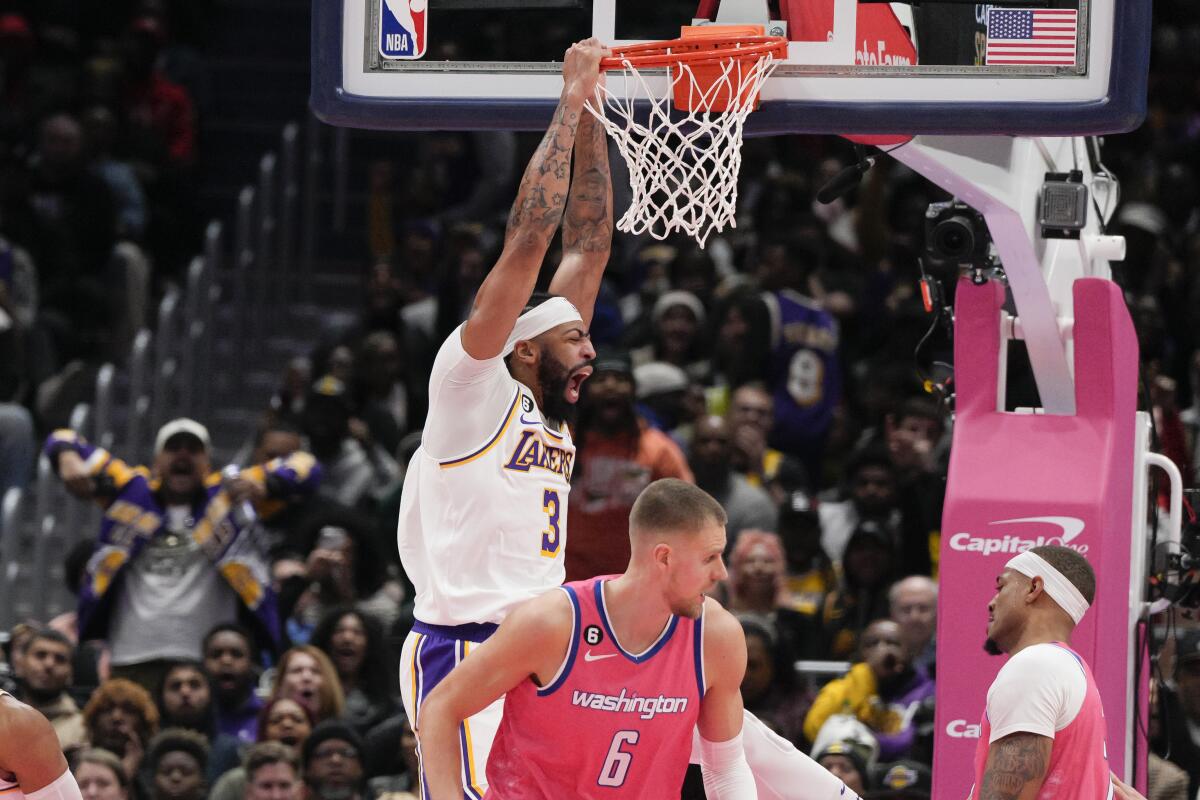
[(483, 512)]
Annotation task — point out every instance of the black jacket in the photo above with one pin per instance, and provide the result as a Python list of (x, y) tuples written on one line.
[(1175, 742)]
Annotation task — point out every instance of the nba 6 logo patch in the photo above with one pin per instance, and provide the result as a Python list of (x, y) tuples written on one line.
[(402, 29)]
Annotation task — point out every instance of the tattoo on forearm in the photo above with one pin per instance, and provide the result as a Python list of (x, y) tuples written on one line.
[(540, 201), (587, 227), (1015, 761)]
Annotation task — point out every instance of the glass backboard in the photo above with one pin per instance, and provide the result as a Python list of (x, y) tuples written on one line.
[(1050, 67)]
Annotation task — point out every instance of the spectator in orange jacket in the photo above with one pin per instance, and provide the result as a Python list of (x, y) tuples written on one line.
[(619, 455)]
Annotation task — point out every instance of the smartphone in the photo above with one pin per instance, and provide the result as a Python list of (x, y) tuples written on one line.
[(332, 537), (6, 266)]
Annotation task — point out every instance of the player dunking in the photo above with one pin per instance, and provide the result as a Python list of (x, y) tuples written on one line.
[(31, 762), (484, 503), (1043, 730), (605, 679), (482, 524)]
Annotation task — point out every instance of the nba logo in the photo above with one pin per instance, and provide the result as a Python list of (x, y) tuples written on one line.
[(402, 29)]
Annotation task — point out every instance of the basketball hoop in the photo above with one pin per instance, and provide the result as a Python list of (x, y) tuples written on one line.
[(683, 167)]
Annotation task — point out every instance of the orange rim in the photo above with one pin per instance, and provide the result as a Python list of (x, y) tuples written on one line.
[(693, 50)]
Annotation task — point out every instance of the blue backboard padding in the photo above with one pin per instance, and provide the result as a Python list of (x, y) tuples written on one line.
[(1122, 110)]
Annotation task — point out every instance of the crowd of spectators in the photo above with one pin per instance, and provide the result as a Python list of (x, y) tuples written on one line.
[(99, 107), (778, 368)]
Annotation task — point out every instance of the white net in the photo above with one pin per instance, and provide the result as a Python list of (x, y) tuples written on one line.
[(683, 165)]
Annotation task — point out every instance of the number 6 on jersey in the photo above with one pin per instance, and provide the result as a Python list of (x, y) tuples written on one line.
[(616, 764), (550, 537)]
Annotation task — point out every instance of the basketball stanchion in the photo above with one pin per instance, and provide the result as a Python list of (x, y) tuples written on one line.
[(10, 540), (684, 156)]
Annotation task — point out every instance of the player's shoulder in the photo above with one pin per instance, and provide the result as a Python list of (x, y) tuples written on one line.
[(1044, 654), (452, 345), (11, 704), (720, 625), (1041, 663), (548, 612), (11, 708), (452, 351), (453, 362), (724, 646), (20, 722)]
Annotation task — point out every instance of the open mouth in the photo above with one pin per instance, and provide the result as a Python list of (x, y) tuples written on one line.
[(345, 655), (181, 466), (575, 382)]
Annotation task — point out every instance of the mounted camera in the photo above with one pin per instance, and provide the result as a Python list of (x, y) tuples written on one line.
[(1175, 570), (956, 235)]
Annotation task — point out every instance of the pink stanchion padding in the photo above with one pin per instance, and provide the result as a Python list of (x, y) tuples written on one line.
[(1021, 480)]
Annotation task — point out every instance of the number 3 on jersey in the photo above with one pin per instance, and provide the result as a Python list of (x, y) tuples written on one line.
[(550, 536), (616, 763)]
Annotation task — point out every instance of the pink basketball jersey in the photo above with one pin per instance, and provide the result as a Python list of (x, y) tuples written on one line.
[(611, 723), (1078, 767)]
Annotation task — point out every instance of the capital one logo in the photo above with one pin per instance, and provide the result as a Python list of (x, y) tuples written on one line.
[(961, 729), (879, 56), (1068, 529)]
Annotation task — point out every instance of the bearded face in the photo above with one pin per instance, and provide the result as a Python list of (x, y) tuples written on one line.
[(555, 377)]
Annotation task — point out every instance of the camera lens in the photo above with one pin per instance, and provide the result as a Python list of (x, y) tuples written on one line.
[(953, 238)]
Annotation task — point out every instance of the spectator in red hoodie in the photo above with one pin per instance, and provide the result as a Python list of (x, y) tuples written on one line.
[(159, 112)]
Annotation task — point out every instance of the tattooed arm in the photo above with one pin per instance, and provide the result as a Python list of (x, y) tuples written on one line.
[(587, 226), (1016, 766), (535, 213)]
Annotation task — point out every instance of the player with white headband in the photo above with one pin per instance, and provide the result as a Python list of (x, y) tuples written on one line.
[(482, 524), (484, 506), (1042, 734)]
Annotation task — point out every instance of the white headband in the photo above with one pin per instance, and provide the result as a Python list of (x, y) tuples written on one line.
[(1061, 590), (550, 314)]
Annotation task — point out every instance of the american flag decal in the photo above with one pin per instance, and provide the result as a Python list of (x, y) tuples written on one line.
[(1031, 36)]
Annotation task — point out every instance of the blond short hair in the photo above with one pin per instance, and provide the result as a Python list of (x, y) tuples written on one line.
[(670, 505)]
